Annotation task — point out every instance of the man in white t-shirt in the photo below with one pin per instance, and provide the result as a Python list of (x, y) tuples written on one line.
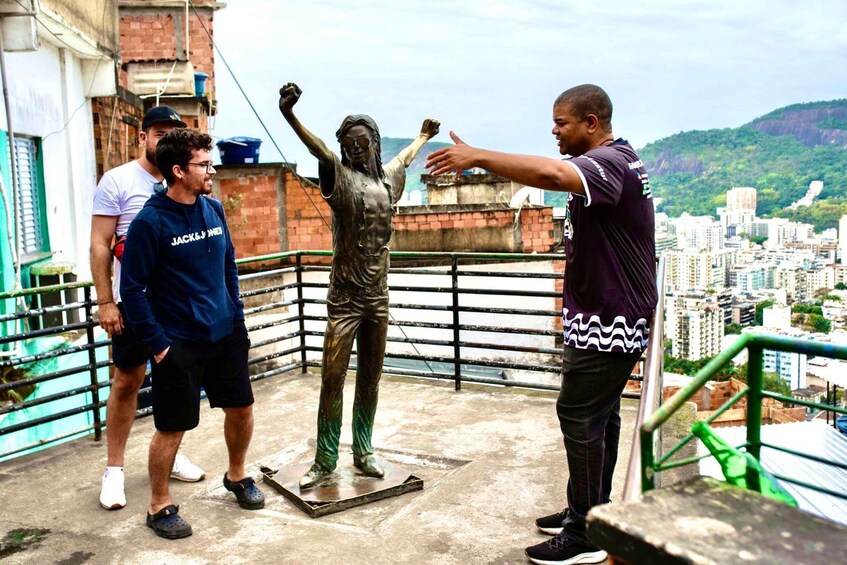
[(119, 196)]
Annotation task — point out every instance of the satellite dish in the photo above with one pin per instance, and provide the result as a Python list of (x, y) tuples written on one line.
[(526, 193)]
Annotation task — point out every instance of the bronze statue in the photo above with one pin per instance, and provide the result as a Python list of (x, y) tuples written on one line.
[(361, 193)]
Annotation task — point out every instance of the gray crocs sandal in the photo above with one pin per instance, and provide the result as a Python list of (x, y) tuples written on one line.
[(167, 523)]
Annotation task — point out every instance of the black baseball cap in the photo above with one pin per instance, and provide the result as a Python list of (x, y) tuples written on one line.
[(162, 115)]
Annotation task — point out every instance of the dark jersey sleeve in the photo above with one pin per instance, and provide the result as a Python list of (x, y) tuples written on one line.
[(602, 171)]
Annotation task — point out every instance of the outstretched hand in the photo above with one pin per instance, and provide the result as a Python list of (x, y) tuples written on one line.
[(451, 159), (288, 96), (430, 128)]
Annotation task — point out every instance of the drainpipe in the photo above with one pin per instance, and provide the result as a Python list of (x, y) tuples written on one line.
[(12, 226), (16, 248), (186, 29)]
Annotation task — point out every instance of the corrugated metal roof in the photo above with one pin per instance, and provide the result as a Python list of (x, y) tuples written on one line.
[(812, 438)]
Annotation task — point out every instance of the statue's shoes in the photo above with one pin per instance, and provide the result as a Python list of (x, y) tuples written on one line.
[(368, 465), (314, 476)]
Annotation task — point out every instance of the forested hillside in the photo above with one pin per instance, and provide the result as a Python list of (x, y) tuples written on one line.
[(779, 154)]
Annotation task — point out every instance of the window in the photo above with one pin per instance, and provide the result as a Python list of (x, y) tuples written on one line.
[(32, 233)]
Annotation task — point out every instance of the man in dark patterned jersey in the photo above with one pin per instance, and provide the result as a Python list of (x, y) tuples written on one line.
[(609, 296)]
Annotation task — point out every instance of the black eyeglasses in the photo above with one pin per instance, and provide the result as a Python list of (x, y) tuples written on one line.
[(362, 141), (207, 164)]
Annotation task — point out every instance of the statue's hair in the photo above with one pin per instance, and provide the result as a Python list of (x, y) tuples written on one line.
[(368, 122), (588, 99)]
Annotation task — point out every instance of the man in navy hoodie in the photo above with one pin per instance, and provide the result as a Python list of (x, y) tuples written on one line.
[(180, 290)]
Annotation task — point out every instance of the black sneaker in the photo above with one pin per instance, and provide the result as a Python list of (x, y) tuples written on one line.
[(552, 524), (562, 550)]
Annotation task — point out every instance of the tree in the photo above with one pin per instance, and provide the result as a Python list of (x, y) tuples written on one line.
[(841, 286), (770, 381), (732, 329)]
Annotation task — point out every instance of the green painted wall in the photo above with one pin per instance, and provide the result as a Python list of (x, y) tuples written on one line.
[(7, 280)]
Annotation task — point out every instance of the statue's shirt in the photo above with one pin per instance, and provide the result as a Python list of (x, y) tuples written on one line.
[(362, 212)]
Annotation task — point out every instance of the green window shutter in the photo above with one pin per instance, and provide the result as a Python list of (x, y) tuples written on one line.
[(28, 193)]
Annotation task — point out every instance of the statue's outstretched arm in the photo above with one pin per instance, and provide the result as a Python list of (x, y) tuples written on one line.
[(288, 97), (429, 129)]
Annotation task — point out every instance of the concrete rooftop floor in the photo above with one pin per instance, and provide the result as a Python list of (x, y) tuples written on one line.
[(491, 459)]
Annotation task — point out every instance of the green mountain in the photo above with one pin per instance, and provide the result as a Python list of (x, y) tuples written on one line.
[(391, 146), (779, 154)]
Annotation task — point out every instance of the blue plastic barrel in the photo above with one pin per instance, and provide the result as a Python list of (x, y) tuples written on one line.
[(200, 84), (239, 150)]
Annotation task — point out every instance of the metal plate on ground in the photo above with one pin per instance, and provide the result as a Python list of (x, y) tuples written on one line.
[(342, 489)]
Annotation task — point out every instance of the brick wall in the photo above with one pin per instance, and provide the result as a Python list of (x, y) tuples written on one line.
[(307, 215), (117, 122), (269, 215), (155, 33), (251, 197), (481, 228), (716, 393)]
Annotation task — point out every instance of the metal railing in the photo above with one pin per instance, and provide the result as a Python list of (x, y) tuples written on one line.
[(486, 318), (23, 359), (756, 345), (651, 391)]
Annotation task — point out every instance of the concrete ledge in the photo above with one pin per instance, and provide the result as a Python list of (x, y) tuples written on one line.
[(706, 521)]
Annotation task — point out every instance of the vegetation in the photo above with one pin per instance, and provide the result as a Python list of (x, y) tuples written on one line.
[(771, 382), (18, 394), (822, 214), (732, 329), (812, 322), (691, 171), (840, 286), (806, 309), (690, 368)]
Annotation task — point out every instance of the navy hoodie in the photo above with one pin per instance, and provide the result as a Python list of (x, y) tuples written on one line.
[(178, 273)]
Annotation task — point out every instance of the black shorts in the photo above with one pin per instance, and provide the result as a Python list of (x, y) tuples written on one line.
[(128, 350), (220, 368)]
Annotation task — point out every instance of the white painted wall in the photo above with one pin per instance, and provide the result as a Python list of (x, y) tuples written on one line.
[(48, 100)]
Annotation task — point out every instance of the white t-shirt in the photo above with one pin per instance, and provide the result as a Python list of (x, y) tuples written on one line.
[(122, 192)]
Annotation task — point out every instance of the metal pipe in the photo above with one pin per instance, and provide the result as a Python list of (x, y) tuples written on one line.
[(187, 40), (454, 279), (301, 314), (16, 247), (651, 388), (92, 363)]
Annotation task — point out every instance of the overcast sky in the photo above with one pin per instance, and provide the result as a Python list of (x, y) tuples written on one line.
[(490, 69)]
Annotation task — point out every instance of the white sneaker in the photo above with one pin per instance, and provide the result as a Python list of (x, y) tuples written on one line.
[(185, 470), (112, 495)]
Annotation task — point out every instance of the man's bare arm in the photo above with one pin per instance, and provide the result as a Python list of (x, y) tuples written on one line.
[(102, 232), (530, 170), (288, 97), (429, 129)]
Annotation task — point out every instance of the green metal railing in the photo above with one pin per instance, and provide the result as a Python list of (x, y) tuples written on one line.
[(756, 345)]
